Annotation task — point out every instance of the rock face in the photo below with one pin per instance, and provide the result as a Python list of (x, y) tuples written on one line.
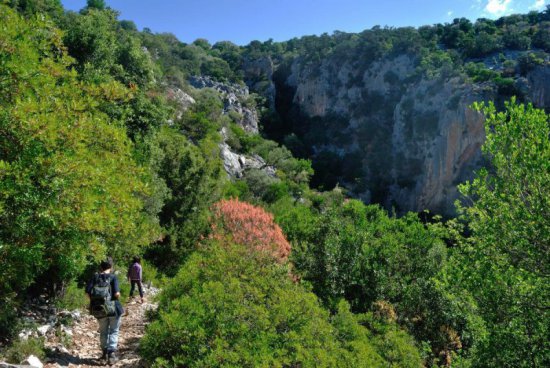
[(385, 131), (236, 98), (236, 164), (259, 74), (182, 99), (538, 87), (435, 145)]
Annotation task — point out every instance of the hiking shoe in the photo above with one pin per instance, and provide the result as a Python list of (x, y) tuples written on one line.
[(112, 358), (103, 355)]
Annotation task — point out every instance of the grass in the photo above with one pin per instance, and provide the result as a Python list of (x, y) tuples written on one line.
[(22, 349)]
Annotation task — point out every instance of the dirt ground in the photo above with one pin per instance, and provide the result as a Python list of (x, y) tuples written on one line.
[(84, 349)]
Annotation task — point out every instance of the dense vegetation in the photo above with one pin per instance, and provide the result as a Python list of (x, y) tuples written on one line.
[(96, 160)]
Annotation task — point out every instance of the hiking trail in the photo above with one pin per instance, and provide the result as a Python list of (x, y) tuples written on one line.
[(84, 351)]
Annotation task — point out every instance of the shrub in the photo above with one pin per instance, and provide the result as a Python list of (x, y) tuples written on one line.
[(507, 252), (250, 226), (73, 297), (230, 307), (528, 62), (259, 182), (151, 274), (21, 349), (70, 189)]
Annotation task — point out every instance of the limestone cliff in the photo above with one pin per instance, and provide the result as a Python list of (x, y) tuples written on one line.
[(235, 98), (386, 130)]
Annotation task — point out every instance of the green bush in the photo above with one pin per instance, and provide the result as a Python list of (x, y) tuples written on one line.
[(504, 263), (70, 190), (150, 274), (479, 72), (230, 307), (235, 189), (529, 61), (8, 316), (73, 297), (359, 253), (21, 349)]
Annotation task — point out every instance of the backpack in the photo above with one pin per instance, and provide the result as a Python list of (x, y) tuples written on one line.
[(101, 303)]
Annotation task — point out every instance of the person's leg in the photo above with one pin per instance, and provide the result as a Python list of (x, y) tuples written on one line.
[(112, 345), (103, 333), (140, 287), (114, 327), (132, 287)]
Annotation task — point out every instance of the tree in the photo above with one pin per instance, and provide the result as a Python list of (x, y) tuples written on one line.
[(96, 4), (91, 39), (505, 263), (358, 253), (53, 8), (192, 180), (70, 190), (231, 307), (250, 226), (202, 43)]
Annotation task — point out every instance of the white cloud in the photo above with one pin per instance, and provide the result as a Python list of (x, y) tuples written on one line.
[(495, 7), (449, 13), (538, 5), (476, 5)]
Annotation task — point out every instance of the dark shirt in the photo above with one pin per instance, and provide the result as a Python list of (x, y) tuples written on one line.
[(134, 271), (114, 289)]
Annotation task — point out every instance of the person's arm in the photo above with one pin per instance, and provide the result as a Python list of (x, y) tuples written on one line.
[(140, 268), (114, 285), (89, 286)]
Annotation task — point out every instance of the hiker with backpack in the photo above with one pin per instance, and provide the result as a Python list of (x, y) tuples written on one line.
[(103, 291), (134, 277)]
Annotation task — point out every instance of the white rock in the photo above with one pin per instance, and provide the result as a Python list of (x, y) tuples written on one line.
[(67, 330), (25, 334), (8, 365), (62, 349), (43, 330), (76, 315), (33, 361)]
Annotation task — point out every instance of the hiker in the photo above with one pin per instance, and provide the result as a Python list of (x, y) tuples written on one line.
[(134, 277), (103, 291)]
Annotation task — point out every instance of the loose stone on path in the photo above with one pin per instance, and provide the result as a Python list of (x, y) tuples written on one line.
[(84, 351)]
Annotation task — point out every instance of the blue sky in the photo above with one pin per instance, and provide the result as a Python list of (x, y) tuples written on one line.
[(242, 21)]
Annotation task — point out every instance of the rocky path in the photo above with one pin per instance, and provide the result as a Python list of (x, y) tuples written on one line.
[(83, 350)]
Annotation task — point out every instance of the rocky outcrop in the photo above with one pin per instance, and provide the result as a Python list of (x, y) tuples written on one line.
[(236, 98), (435, 145), (7, 365), (259, 77), (236, 164), (538, 87), (183, 100), (402, 138)]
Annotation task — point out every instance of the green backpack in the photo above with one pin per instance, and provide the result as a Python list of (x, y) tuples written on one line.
[(101, 303)]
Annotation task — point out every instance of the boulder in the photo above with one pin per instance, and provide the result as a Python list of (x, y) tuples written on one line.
[(235, 98), (43, 330), (33, 361), (236, 164)]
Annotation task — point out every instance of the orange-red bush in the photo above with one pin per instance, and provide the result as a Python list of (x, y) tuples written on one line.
[(250, 226)]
